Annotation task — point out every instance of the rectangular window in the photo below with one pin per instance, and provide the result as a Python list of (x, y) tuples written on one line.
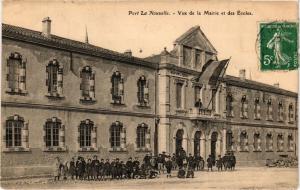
[(13, 133), (85, 84), (52, 134), (85, 135), (141, 137), (179, 87), (14, 72), (52, 78), (187, 55), (115, 137)]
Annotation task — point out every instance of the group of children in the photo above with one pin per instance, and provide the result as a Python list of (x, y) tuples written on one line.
[(151, 166)]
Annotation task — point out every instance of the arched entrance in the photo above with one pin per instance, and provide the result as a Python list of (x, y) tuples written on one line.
[(179, 139), (213, 145), (197, 143)]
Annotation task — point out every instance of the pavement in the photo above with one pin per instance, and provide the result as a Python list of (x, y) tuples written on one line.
[(242, 178)]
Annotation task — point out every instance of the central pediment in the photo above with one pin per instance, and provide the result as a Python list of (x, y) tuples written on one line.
[(195, 38)]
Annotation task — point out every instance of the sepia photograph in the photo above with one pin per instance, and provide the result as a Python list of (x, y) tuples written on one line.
[(149, 94)]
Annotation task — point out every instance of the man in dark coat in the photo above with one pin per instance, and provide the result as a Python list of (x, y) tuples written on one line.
[(209, 163), (72, 168), (219, 163), (146, 159), (169, 166), (107, 169), (136, 167), (95, 167), (101, 171), (129, 166), (113, 169)]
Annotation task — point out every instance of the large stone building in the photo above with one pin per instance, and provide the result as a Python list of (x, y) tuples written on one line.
[(65, 98)]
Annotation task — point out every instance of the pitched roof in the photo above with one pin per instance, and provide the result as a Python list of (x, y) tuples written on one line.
[(236, 81), (32, 36), (193, 30)]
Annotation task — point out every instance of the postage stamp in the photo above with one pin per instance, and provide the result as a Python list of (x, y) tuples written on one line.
[(278, 46)]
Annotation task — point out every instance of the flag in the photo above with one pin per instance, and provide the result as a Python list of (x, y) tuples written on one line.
[(212, 70)]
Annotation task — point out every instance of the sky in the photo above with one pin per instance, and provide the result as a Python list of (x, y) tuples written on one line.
[(110, 26)]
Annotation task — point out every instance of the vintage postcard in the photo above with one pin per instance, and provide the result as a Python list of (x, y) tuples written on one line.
[(149, 95)]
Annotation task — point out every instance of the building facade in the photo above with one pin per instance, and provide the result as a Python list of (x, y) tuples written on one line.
[(66, 98)]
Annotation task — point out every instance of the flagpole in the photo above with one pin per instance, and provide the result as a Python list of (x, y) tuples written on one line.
[(218, 83)]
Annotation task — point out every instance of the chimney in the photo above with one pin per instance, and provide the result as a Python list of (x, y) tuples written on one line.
[(128, 52), (276, 85), (242, 74), (46, 27)]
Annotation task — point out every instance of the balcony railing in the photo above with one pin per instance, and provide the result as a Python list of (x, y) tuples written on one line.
[(196, 112)]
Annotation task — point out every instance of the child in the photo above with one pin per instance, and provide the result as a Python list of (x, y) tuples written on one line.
[(219, 163), (169, 166), (72, 168), (57, 169)]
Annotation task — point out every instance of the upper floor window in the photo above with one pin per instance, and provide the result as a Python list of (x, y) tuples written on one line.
[(87, 85), (54, 80), (256, 109), (269, 110), (280, 111), (179, 95), (269, 142), (117, 89), (143, 136), (16, 74), (244, 141), (187, 55), (117, 136), (16, 134), (244, 107), (198, 96), (229, 106), (280, 142), (291, 113), (143, 91)]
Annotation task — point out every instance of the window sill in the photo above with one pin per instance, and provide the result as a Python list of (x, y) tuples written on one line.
[(269, 151), (55, 149), (143, 150), (16, 92), (87, 100), (230, 116), (280, 151), (257, 118), (243, 117), (88, 149), (141, 106), (290, 151), (16, 149), (291, 122), (181, 110), (55, 96), (257, 150), (118, 149), (118, 104), (244, 150), (270, 120)]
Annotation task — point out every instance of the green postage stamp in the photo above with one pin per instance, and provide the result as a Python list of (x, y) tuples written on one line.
[(278, 46)]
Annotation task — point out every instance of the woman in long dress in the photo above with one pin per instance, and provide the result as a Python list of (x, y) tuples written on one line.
[(57, 169)]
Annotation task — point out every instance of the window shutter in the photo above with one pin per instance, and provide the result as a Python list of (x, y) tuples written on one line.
[(62, 136), (242, 110), (146, 92), (258, 110), (121, 87), (271, 112), (44, 134)]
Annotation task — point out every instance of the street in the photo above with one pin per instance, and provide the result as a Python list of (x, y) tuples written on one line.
[(241, 178)]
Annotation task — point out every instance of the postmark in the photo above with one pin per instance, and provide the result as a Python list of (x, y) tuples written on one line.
[(278, 46)]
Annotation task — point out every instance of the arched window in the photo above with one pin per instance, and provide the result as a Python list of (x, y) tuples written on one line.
[(244, 107), (243, 141), (143, 91), (86, 130), (256, 109), (290, 142), (269, 142), (54, 79), (87, 85), (291, 113), (280, 111), (269, 110), (117, 89), (229, 106), (117, 136), (280, 143), (16, 74), (16, 134), (256, 142), (143, 136)]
